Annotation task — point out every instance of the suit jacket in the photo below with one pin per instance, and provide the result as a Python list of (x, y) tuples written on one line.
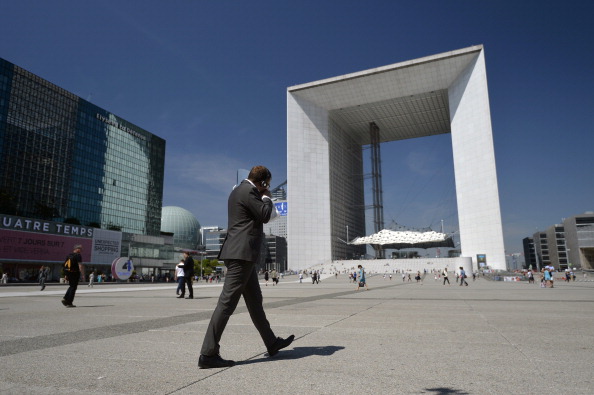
[(247, 213), (189, 267)]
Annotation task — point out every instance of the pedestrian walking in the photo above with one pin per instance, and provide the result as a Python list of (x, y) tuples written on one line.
[(249, 208), (463, 277), (445, 276), (73, 269), (43, 276), (91, 279), (547, 278), (180, 279), (361, 275), (189, 273), (530, 276)]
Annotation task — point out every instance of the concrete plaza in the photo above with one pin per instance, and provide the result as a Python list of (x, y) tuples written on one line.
[(397, 338)]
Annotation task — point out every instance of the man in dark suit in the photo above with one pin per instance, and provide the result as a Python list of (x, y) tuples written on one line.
[(188, 274), (249, 208)]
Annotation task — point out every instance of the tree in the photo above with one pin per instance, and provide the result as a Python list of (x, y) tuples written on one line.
[(209, 266), (196, 265)]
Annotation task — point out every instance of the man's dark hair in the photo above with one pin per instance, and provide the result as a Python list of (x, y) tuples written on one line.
[(259, 173)]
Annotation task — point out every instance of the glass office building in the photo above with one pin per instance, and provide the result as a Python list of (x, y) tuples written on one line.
[(65, 159)]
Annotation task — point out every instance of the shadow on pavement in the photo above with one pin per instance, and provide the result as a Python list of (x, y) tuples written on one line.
[(446, 391), (99, 305), (296, 353)]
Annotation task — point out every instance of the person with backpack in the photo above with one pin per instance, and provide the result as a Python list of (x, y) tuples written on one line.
[(463, 277), (73, 268), (362, 282)]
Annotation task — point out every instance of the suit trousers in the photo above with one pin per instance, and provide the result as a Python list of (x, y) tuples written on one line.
[(241, 279), (188, 281)]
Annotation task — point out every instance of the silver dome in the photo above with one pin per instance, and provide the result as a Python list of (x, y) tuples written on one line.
[(184, 226)]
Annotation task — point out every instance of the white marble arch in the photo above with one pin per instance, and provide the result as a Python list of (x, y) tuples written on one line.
[(328, 122)]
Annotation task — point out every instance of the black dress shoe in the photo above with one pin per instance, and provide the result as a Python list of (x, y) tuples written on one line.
[(206, 362), (64, 302), (180, 297), (279, 344), (190, 297)]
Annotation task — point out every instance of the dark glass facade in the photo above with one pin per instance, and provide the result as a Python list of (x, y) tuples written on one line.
[(65, 159)]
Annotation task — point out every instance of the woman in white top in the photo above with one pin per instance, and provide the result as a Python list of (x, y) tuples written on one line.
[(179, 277)]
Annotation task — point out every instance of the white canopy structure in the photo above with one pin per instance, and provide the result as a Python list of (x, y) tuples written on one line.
[(406, 239)]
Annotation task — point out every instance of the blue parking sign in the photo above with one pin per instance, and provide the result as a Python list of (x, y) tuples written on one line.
[(282, 208)]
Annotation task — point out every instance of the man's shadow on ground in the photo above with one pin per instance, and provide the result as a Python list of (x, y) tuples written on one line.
[(446, 391), (98, 305), (295, 353)]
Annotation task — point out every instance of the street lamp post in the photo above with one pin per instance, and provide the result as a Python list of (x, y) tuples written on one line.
[(202, 254)]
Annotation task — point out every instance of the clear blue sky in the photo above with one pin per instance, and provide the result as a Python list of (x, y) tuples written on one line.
[(210, 77)]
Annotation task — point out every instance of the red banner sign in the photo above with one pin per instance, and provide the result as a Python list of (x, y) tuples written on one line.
[(29, 246)]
